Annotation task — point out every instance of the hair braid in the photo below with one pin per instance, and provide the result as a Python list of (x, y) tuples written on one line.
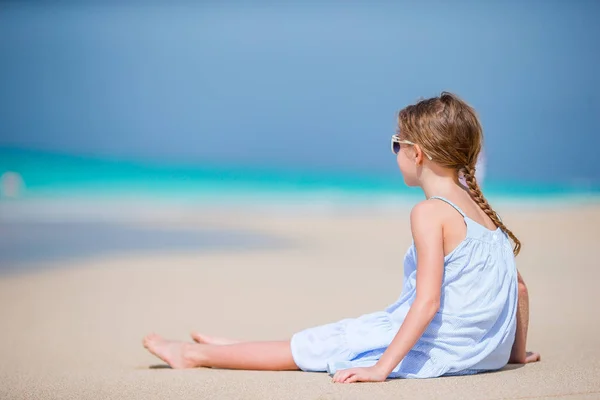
[(477, 196)]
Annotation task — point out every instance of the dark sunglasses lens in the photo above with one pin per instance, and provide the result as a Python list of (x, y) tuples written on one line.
[(396, 147)]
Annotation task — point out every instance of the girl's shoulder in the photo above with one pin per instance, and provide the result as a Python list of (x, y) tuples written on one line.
[(427, 214), (429, 209)]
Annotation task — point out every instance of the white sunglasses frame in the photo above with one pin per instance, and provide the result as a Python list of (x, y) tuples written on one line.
[(396, 139)]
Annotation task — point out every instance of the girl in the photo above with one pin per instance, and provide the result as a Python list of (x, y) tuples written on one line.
[(457, 313)]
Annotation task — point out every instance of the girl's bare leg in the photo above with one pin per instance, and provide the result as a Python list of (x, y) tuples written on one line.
[(270, 356), (519, 354), (211, 351)]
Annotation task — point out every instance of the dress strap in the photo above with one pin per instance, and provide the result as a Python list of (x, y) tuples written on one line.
[(451, 203)]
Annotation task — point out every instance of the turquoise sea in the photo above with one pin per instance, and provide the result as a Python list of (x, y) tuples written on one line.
[(55, 175), (243, 101)]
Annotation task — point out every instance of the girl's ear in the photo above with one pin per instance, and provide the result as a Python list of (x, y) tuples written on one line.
[(418, 154)]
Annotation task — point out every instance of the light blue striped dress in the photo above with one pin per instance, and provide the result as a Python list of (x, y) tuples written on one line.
[(473, 330)]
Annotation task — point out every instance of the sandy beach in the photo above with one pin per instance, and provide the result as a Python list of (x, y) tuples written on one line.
[(72, 326)]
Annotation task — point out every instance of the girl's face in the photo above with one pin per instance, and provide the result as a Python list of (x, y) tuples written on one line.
[(408, 159)]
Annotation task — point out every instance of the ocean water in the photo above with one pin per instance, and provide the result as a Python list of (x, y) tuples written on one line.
[(211, 97), (48, 175)]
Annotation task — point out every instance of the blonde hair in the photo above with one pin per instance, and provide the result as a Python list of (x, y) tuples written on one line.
[(448, 130)]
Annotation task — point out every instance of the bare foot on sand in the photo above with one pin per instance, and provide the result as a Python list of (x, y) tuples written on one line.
[(205, 339), (179, 355), (530, 357)]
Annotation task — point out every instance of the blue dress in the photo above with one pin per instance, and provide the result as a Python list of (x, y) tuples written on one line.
[(473, 330)]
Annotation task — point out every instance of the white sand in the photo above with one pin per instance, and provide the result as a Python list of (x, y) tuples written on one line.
[(73, 329)]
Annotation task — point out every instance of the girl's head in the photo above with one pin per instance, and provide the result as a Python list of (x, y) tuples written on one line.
[(445, 131), (443, 134)]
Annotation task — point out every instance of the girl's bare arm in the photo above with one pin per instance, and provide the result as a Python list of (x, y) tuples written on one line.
[(519, 354)]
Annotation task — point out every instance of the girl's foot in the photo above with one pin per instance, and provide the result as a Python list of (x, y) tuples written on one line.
[(205, 339), (529, 358), (179, 355)]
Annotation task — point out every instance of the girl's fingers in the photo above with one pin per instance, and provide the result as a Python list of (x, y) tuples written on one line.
[(341, 376), (532, 357)]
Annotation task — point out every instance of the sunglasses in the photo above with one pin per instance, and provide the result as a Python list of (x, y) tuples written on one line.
[(396, 142)]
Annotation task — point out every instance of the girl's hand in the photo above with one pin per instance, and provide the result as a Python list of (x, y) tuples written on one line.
[(369, 374), (532, 357)]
